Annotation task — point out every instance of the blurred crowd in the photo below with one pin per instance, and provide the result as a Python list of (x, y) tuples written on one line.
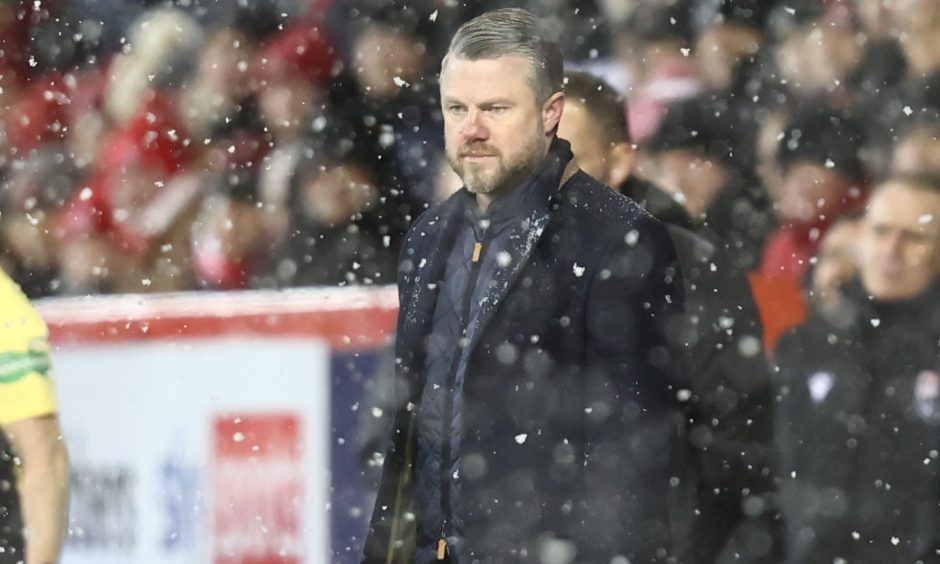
[(242, 148), (164, 146)]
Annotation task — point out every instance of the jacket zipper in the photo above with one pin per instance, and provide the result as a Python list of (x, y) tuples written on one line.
[(446, 525)]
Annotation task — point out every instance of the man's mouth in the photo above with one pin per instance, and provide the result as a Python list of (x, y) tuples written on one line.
[(893, 270), (476, 157)]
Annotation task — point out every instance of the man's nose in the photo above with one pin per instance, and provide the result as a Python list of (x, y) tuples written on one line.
[(473, 128), (894, 245)]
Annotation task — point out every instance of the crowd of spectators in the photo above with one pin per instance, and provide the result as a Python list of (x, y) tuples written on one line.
[(257, 149), (271, 146)]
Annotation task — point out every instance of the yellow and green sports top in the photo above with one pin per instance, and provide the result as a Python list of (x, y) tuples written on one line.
[(26, 390)]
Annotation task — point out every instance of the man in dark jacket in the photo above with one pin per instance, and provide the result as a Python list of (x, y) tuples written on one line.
[(728, 480), (859, 414), (536, 307)]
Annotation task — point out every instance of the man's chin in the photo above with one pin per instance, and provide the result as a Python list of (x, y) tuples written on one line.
[(478, 185), (483, 189)]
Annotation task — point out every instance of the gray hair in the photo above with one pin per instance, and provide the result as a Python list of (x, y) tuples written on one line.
[(512, 31)]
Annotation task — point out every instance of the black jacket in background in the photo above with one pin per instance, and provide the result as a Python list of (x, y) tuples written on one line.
[(857, 432), (570, 411), (728, 472)]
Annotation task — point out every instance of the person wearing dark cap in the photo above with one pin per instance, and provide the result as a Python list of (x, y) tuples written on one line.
[(823, 177), (730, 442), (700, 159)]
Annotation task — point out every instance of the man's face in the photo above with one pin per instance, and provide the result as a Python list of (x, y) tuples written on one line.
[(811, 191), (918, 151), (284, 104), (495, 130), (381, 56), (694, 179), (719, 50), (900, 242), (816, 56), (911, 15)]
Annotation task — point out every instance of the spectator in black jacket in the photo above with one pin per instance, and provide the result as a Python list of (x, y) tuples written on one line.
[(729, 482), (859, 417), (697, 160), (537, 308)]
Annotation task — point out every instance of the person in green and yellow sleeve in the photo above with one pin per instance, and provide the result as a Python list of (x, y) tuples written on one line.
[(34, 468)]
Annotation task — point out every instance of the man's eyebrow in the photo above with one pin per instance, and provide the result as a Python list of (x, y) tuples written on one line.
[(483, 104), (497, 102)]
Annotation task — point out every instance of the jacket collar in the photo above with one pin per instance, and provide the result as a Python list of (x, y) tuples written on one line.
[(541, 197), (921, 312)]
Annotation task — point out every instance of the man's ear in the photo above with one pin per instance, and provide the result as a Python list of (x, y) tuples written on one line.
[(551, 112), (620, 164)]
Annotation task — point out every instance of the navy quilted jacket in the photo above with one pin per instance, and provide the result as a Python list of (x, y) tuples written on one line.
[(479, 249), (569, 406)]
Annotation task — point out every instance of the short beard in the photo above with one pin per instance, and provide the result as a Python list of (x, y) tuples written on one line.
[(506, 176)]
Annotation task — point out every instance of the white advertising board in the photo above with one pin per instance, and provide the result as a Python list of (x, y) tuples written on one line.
[(208, 450)]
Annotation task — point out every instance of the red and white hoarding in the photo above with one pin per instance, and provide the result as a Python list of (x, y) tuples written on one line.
[(199, 424)]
